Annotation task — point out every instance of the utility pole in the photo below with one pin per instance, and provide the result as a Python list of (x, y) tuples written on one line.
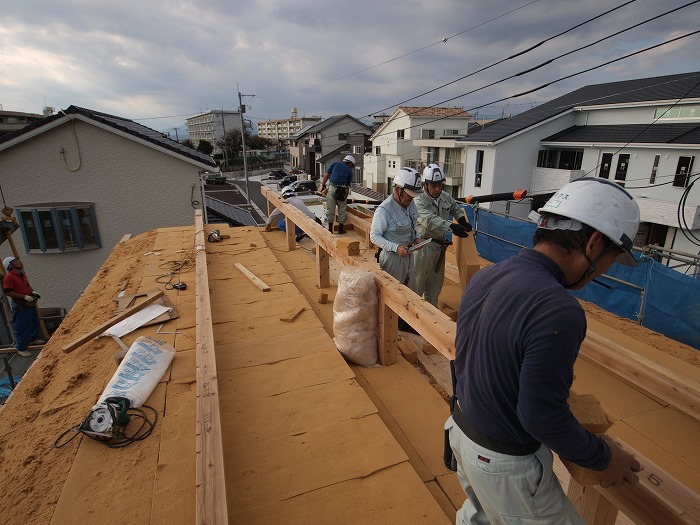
[(177, 139), (241, 108), (223, 125)]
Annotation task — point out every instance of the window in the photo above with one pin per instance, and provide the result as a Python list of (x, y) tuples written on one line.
[(400, 133), (560, 159), (478, 168), (450, 132), (391, 163), (623, 163), (685, 111), (685, 165), (605, 164), (377, 150), (342, 136), (59, 227), (357, 150), (432, 157), (654, 169), (427, 133)]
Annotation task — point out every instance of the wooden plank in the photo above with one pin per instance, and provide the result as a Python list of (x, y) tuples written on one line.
[(290, 233), (292, 314), (114, 320), (591, 504), (641, 372), (657, 498), (210, 476), (252, 277), (323, 266)]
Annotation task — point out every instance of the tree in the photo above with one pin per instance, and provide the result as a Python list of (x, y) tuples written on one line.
[(205, 147)]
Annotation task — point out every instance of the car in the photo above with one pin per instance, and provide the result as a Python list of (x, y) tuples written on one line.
[(302, 185), (215, 178), (286, 181), (277, 175)]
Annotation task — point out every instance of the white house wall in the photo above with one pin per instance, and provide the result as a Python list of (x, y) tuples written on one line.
[(134, 189), (612, 116)]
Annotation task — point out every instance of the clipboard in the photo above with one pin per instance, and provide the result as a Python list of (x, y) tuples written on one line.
[(419, 245)]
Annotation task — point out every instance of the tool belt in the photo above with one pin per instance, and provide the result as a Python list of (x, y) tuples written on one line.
[(341, 193), (502, 447)]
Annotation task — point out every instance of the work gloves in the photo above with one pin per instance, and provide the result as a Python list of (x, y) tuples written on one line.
[(29, 298), (463, 221), (459, 230)]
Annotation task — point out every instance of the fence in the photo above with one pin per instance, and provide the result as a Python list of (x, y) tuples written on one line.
[(655, 296)]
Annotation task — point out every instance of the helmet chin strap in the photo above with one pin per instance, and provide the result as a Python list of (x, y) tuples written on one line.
[(589, 271)]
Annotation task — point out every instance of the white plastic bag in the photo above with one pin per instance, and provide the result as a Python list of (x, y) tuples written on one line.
[(355, 316), (140, 371)]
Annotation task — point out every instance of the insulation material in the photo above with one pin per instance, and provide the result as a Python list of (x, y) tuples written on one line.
[(355, 316), (140, 371)]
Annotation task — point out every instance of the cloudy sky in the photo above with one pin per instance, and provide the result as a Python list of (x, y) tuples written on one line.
[(159, 62)]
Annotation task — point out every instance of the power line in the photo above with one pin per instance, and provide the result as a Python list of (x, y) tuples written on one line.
[(519, 53), (441, 41)]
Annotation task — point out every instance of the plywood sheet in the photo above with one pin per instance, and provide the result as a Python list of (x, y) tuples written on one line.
[(294, 413), (425, 433), (272, 349), (392, 495), (95, 472), (294, 465), (276, 378), (250, 329)]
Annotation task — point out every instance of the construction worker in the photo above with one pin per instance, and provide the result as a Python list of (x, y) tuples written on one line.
[(393, 227), (277, 217), (434, 210), (518, 334), (25, 317), (340, 175)]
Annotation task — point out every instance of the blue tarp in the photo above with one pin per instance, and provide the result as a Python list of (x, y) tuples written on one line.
[(668, 302)]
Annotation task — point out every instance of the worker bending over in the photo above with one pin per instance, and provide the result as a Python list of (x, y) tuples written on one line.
[(435, 207), (519, 331)]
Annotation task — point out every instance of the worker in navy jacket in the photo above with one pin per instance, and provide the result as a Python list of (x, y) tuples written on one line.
[(518, 335), (339, 177)]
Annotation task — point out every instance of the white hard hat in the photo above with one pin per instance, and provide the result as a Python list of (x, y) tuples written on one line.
[(349, 158), (603, 205), (433, 173), (7, 262), (409, 180)]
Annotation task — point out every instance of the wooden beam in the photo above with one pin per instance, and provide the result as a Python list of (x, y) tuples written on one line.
[(388, 327), (657, 498), (323, 266), (290, 231), (641, 372), (114, 320), (211, 507)]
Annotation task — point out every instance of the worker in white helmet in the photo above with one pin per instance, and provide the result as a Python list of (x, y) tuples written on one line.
[(518, 335), (338, 177), (435, 207), (25, 317), (393, 227)]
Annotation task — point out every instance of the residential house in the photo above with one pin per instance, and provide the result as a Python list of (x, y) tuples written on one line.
[(393, 145), (316, 147), (79, 181), (643, 133)]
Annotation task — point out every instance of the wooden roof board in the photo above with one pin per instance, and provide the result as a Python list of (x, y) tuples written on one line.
[(97, 470), (391, 495), (241, 354)]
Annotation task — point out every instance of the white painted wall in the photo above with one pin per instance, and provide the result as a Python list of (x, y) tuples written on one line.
[(134, 189)]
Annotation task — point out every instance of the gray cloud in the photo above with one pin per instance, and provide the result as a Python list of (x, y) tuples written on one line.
[(163, 61)]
